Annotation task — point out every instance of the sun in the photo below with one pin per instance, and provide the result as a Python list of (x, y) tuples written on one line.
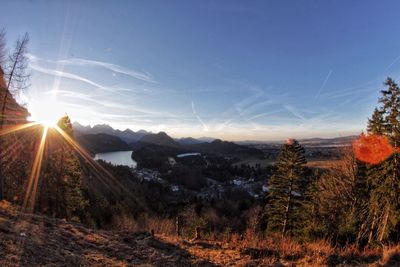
[(46, 112), (48, 124)]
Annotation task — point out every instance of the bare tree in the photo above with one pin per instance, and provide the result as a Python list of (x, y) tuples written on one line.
[(3, 51), (17, 78)]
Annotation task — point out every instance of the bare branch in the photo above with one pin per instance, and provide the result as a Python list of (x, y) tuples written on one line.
[(3, 51), (16, 73)]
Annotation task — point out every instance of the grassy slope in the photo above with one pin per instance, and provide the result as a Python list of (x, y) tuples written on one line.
[(32, 240)]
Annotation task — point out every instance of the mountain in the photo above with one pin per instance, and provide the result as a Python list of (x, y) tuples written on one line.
[(103, 138), (191, 140), (336, 141), (130, 136), (79, 129), (225, 148), (127, 135), (205, 139), (100, 143), (160, 139), (102, 128), (188, 141)]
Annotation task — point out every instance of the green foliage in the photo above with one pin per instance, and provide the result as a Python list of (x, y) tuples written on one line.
[(65, 124), (383, 179), (61, 194), (287, 189)]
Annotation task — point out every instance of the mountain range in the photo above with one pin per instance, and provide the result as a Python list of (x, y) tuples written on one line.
[(104, 138), (127, 135)]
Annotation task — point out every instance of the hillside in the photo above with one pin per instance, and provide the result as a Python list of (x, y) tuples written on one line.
[(160, 139), (33, 240), (13, 112), (226, 148), (100, 143), (127, 135)]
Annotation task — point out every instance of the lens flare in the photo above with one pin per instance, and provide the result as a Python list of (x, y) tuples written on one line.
[(100, 173), (373, 149), (30, 194), (15, 128)]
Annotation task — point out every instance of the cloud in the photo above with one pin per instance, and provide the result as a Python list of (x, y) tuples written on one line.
[(323, 84), (294, 111), (68, 75), (205, 128), (259, 115), (144, 76)]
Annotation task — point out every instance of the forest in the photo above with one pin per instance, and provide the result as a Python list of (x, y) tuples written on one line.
[(350, 211)]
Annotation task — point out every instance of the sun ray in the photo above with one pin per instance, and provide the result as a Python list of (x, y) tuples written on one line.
[(30, 194), (112, 182), (17, 127)]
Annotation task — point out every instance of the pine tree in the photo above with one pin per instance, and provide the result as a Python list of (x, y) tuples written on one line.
[(61, 194), (71, 174), (286, 190), (376, 124), (383, 179)]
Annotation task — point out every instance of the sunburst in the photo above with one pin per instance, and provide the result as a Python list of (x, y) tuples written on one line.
[(30, 194)]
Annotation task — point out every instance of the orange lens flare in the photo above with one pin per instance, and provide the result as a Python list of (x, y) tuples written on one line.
[(373, 149), (30, 194)]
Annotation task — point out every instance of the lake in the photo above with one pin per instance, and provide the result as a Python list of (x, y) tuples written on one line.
[(117, 158)]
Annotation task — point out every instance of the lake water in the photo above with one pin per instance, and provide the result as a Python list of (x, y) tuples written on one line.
[(117, 158), (188, 155)]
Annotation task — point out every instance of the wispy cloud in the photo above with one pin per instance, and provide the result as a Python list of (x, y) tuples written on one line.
[(205, 128), (264, 114), (144, 76), (294, 111), (323, 84), (67, 75), (393, 62)]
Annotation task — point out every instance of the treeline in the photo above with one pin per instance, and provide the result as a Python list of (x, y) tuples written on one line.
[(354, 202), (53, 176)]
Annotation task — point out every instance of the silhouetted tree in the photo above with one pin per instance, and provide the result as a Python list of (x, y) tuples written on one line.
[(383, 178), (286, 189), (61, 194), (3, 52), (17, 78)]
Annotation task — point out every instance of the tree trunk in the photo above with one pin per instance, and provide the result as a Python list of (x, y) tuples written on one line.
[(384, 226), (289, 200), (372, 227), (2, 116)]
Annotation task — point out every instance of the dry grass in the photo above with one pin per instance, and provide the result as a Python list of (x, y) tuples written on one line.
[(50, 242), (124, 222), (278, 250), (390, 256)]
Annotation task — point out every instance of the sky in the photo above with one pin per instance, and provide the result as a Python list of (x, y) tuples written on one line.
[(236, 70)]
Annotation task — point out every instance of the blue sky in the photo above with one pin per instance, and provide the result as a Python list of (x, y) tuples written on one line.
[(260, 70)]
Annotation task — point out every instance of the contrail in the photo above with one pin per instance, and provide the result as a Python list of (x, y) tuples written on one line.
[(323, 84), (198, 118)]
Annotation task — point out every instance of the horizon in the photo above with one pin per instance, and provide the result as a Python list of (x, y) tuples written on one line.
[(260, 71), (211, 137)]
